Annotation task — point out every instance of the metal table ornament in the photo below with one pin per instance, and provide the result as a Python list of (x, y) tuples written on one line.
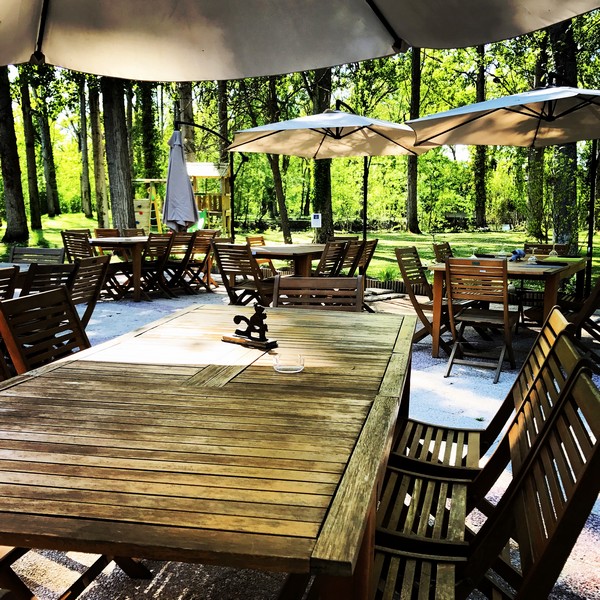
[(254, 335)]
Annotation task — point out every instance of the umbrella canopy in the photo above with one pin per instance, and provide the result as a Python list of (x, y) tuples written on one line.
[(191, 40), (542, 117), (330, 134), (179, 210)]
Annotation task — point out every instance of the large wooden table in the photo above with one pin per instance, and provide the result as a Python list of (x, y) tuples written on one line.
[(134, 246), (301, 255), (551, 274), (170, 444)]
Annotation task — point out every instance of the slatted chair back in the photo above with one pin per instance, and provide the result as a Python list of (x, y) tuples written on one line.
[(259, 240), (157, 247), (42, 277), (331, 259), (134, 232), (351, 258), (41, 328), (87, 283), (442, 251), (546, 506), (77, 244), (8, 280), (103, 232), (545, 249), (482, 281), (368, 251), (25, 254), (554, 453), (241, 275), (327, 293)]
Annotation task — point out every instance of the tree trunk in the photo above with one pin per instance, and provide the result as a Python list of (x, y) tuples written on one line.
[(186, 113), (102, 207), (35, 211), (321, 95), (117, 153), (16, 218), (223, 120), (149, 134), (479, 167), (565, 209), (412, 174), (536, 160), (86, 200)]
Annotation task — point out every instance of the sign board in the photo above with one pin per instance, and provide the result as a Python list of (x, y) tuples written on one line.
[(315, 220)]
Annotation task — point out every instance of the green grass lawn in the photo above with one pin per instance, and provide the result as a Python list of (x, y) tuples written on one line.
[(384, 264)]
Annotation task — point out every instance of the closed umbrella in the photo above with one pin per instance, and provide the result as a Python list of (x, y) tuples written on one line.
[(191, 40), (331, 134), (535, 119), (180, 210)]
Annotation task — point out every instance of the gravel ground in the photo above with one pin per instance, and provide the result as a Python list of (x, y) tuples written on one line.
[(467, 398)]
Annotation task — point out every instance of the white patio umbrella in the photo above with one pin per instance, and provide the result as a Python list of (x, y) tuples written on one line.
[(535, 119), (190, 40), (331, 134), (179, 210), (542, 117)]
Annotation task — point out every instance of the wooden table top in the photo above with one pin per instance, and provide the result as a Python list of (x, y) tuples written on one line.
[(284, 251), (119, 240), (169, 444)]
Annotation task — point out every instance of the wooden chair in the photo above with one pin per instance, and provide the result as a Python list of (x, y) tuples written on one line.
[(154, 258), (259, 240), (87, 283), (41, 328), (545, 249), (197, 273), (368, 251), (177, 262), (8, 281), (41, 277), (351, 258), (483, 281), (419, 442), (420, 293), (104, 232), (77, 244), (331, 259), (329, 293), (241, 275), (554, 457), (442, 251), (24, 254)]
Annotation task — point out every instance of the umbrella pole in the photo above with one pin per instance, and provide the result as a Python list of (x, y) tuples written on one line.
[(365, 194), (591, 217)]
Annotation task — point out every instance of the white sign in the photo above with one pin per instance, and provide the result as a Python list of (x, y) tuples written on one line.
[(315, 220)]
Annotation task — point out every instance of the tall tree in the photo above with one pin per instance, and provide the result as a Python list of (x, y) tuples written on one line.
[(117, 152), (150, 137), (86, 196), (16, 219), (412, 218), (102, 207), (42, 91), (320, 92), (479, 167), (565, 210), (35, 211), (185, 110)]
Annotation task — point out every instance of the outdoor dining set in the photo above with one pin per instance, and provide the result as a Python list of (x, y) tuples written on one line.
[(170, 444)]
